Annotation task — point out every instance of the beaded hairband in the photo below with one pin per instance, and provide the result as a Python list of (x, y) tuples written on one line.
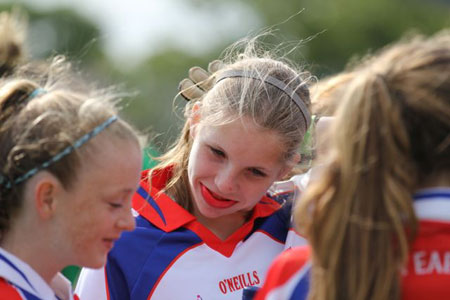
[(6, 183)]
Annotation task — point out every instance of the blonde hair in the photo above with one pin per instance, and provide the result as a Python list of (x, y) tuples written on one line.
[(38, 121), (12, 40), (391, 133), (234, 98), (325, 93)]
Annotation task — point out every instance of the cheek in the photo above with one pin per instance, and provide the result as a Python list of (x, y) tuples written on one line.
[(85, 228), (255, 191), (198, 163), (89, 223)]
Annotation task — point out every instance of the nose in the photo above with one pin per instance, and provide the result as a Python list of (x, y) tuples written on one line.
[(227, 180), (126, 220)]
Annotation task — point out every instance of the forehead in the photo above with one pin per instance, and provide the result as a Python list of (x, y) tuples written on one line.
[(246, 140), (105, 152)]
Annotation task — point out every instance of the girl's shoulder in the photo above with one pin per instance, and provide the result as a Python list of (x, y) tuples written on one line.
[(288, 276)]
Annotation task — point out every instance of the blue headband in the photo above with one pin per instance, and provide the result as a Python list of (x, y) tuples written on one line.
[(35, 93), (4, 181)]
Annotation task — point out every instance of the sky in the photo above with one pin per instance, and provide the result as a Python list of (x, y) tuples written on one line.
[(133, 29)]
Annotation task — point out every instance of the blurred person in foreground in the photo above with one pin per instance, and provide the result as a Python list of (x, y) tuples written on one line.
[(378, 220)]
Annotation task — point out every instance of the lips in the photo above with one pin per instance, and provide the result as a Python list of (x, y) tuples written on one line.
[(215, 201)]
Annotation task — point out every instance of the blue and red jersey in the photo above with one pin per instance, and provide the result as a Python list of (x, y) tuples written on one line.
[(427, 273), (170, 255)]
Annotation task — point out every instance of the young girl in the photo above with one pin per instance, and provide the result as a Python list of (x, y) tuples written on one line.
[(69, 168), (206, 228), (379, 219)]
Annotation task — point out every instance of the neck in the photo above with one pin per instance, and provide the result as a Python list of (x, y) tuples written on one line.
[(26, 246), (223, 227)]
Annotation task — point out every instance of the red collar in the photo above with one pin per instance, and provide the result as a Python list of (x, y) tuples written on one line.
[(160, 210)]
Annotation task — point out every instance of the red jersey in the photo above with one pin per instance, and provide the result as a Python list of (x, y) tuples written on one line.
[(427, 273)]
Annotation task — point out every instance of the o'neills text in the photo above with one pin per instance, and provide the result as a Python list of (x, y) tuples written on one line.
[(238, 282)]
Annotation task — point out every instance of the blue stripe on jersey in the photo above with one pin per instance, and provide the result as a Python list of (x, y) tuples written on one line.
[(171, 246), (277, 225), (434, 193), (301, 290), (17, 270), (144, 194), (153, 252)]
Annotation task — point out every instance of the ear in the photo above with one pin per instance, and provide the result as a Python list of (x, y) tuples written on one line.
[(46, 189), (289, 166), (194, 118)]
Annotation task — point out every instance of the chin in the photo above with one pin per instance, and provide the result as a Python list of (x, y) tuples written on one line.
[(213, 213), (95, 263)]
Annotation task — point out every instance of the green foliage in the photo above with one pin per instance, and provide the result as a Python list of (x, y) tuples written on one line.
[(345, 28), (332, 31), (156, 104)]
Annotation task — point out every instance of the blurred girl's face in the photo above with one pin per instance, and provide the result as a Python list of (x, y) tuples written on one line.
[(231, 167), (97, 207)]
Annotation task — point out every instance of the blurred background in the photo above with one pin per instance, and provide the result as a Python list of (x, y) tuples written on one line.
[(147, 46)]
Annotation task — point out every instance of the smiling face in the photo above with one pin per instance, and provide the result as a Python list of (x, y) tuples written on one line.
[(231, 167), (97, 208)]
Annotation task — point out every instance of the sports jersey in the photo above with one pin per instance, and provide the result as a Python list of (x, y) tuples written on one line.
[(19, 281), (170, 255), (427, 273)]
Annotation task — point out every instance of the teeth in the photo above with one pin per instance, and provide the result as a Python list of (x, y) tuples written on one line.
[(219, 198)]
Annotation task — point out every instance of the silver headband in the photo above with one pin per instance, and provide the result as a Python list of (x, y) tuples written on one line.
[(276, 83)]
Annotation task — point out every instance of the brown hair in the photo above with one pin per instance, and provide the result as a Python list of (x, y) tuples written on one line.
[(325, 93), (391, 134), (38, 120)]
